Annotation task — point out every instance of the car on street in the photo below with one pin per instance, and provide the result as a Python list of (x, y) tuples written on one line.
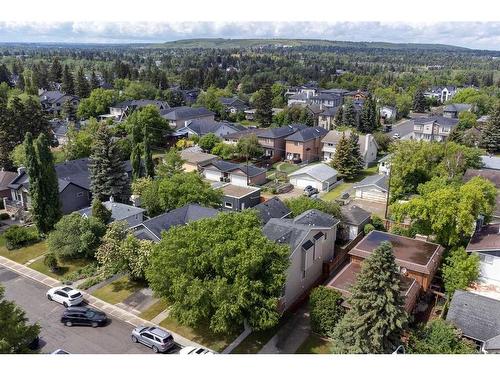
[(156, 338), (59, 351), (309, 191), (395, 136), (193, 350), (83, 316), (65, 295)]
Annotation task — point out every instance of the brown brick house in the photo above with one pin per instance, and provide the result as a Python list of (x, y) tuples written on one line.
[(305, 145)]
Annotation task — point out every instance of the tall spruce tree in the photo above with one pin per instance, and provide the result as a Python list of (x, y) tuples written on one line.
[(107, 174), (56, 71), (376, 318), (366, 121), (94, 81), (149, 166), (349, 114), (82, 86), (339, 117), (68, 83), (419, 101), (135, 161), (347, 159), (100, 212), (490, 137), (264, 106)]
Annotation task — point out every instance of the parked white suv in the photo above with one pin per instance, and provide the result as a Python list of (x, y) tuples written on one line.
[(194, 350), (65, 295)]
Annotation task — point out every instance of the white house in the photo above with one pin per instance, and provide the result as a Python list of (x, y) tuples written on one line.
[(372, 188), (388, 113), (368, 147), (320, 176), (486, 243), (384, 164), (441, 93), (433, 128)]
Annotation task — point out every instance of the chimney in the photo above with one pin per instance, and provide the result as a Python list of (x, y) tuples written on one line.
[(136, 200), (21, 170), (421, 237), (111, 199)]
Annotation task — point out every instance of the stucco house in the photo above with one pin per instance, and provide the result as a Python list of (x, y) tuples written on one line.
[(320, 176), (120, 111), (194, 160), (353, 221), (441, 93), (372, 188), (132, 215), (311, 237), (486, 243), (453, 110), (384, 164), (203, 126), (326, 119), (433, 128), (305, 144), (368, 147), (234, 173), (6, 178)]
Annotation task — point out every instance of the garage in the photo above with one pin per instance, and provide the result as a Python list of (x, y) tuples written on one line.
[(372, 188), (303, 181), (212, 175), (320, 176), (238, 180)]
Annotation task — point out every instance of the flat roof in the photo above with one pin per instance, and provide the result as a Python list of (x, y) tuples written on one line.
[(238, 191), (486, 239)]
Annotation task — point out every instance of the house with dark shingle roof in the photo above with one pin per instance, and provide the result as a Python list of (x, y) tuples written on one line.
[(6, 178), (453, 110), (234, 173), (486, 243), (152, 229), (353, 221), (311, 240), (233, 105), (478, 318), (177, 117), (273, 208), (372, 188), (120, 111), (203, 126), (305, 144), (326, 119), (53, 101), (132, 215)]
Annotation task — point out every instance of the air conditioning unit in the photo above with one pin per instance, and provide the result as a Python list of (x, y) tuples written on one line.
[(403, 271)]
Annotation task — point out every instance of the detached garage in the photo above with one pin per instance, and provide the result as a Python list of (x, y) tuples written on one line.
[(320, 176), (372, 188)]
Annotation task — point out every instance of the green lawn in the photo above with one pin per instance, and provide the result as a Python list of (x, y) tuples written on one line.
[(314, 344), (118, 290), (249, 123), (23, 254), (154, 310), (339, 189), (65, 267), (201, 335), (286, 167), (255, 341)]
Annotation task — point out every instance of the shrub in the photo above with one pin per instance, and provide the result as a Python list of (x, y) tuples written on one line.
[(16, 237), (368, 228), (83, 273), (326, 310), (4, 215), (92, 281), (378, 223), (50, 261)]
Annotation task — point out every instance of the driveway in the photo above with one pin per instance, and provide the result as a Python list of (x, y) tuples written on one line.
[(294, 193), (30, 296), (404, 129), (376, 208)]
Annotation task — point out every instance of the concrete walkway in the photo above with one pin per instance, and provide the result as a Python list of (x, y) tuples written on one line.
[(289, 337), (109, 309)]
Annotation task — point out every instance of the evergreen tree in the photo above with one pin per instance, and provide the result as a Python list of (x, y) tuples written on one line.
[(264, 106), (68, 110), (107, 174), (347, 159), (376, 318), (82, 87), (68, 83), (94, 81), (172, 164), (419, 101), (100, 212), (149, 166), (490, 137), (56, 71), (135, 161), (349, 114), (339, 117), (366, 123)]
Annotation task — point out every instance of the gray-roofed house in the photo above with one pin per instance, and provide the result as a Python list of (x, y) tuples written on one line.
[(233, 105), (203, 126), (327, 99), (6, 178), (320, 176), (453, 110), (491, 162), (152, 229), (119, 212), (194, 161), (486, 243), (178, 117), (234, 173), (237, 198), (74, 186), (120, 111), (326, 119), (273, 208), (368, 147), (53, 102), (433, 128), (305, 144), (353, 221), (441, 93), (478, 318), (311, 237), (388, 113), (372, 188)]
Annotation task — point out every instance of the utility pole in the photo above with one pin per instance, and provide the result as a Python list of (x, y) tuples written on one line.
[(388, 193)]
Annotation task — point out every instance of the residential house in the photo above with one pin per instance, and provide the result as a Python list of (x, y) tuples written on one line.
[(353, 221), (300, 98), (384, 164), (418, 262), (327, 99), (178, 116), (311, 237), (152, 229), (194, 160), (201, 127), (492, 175), (120, 111), (368, 147), (233, 105), (273, 208), (305, 145), (326, 119), (491, 162), (74, 186), (486, 243), (441, 93), (372, 188), (453, 110), (434, 128), (234, 173), (478, 318), (132, 215), (319, 176), (237, 198), (388, 113), (53, 102), (60, 130), (6, 179), (357, 95)]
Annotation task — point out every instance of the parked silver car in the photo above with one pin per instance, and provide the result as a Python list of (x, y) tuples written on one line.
[(156, 338)]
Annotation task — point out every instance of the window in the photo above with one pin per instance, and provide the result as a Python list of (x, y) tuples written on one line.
[(79, 194), (296, 143), (147, 335), (228, 205), (488, 259)]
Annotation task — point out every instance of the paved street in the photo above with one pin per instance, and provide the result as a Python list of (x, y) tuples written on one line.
[(30, 295), (403, 129)]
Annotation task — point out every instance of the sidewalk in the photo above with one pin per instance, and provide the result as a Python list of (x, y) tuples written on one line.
[(108, 308)]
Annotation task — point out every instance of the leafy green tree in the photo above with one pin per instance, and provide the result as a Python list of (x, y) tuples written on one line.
[(82, 87), (68, 83), (481, 101), (347, 159), (490, 137), (375, 321), (459, 270), (100, 212), (302, 204), (107, 174), (172, 164), (224, 150), (325, 310), (439, 337), (139, 90), (220, 272), (249, 147), (76, 237), (278, 91), (263, 102), (135, 161), (79, 144), (466, 120), (148, 121), (210, 99), (208, 142), (16, 334), (97, 103), (419, 102)]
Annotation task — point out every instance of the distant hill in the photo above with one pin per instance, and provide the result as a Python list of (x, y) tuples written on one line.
[(255, 43)]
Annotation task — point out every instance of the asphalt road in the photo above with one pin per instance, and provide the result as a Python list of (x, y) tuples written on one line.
[(402, 129), (30, 296)]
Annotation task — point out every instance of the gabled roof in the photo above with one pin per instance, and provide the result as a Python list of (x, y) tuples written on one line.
[(477, 316), (457, 107), (226, 166), (6, 178), (307, 134), (185, 113), (272, 208), (491, 162), (354, 215), (489, 174), (485, 239), (178, 216), (440, 120), (334, 136), (282, 131), (119, 211), (202, 126), (233, 102), (377, 180), (324, 95), (160, 104), (52, 97), (330, 111), (320, 172)]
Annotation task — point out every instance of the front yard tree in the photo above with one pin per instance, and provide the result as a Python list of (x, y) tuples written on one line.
[(301, 204), (263, 102), (376, 318), (220, 272), (459, 270), (349, 114), (326, 310), (419, 101), (15, 331), (208, 142), (249, 147), (172, 164), (107, 174)]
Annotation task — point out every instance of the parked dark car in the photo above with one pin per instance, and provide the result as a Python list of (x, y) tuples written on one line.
[(83, 316), (309, 190)]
